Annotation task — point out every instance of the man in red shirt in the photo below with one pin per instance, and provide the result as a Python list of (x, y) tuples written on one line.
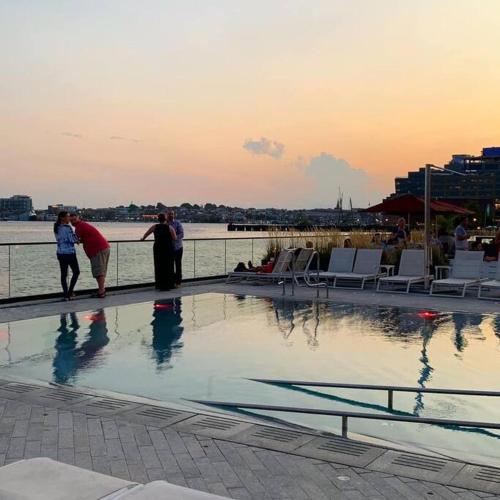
[(97, 249)]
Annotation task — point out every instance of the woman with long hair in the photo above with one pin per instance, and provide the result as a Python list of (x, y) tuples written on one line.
[(66, 253), (163, 252)]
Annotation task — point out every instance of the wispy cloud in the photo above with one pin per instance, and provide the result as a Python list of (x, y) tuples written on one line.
[(72, 134), (265, 146), (120, 138)]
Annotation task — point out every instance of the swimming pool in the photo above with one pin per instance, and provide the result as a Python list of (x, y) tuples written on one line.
[(206, 346)]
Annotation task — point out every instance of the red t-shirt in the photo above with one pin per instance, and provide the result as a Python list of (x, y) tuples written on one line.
[(92, 239), (267, 268)]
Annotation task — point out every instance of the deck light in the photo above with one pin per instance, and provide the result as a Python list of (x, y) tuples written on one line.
[(163, 306), (95, 317), (428, 314)]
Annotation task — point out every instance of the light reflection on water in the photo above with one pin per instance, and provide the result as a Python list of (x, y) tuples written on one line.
[(205, 346)]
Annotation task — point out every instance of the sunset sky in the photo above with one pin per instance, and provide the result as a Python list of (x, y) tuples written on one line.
[(255, 103)]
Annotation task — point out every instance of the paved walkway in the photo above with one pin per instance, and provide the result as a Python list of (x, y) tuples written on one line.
[(122, 447)]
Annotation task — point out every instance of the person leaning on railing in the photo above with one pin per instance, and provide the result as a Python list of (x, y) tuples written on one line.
[(66, 254), (96, 247)]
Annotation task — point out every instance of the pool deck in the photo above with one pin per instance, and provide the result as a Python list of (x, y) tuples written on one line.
[(143, 440)]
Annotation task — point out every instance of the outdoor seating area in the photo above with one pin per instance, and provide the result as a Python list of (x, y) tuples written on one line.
[(356, 268)]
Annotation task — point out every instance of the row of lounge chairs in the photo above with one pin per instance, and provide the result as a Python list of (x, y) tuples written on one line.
[(349, 267)]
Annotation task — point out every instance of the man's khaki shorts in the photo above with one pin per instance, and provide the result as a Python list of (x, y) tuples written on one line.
[(99, 263)]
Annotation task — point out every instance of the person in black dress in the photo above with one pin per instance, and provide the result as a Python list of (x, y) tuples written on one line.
[(163, 252)]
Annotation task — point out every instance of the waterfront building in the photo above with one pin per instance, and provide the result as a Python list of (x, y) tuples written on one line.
[(479, 189), (18, 206), (59, 207)]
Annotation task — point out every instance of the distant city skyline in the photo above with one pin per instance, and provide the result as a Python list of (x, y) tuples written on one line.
[(265, 104)]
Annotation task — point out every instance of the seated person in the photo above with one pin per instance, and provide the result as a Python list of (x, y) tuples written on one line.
[(490, 252), (266, 267), (377, 241), (400, 234)]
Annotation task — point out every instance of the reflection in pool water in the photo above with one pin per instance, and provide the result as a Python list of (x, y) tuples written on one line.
[(206, 346)]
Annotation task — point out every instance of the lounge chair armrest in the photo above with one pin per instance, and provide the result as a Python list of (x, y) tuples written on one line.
[(438, 271)]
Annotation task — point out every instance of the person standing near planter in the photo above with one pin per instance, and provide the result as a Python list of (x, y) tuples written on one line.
[(178, 248)]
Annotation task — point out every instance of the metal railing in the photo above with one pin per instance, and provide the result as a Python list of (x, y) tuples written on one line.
[(391, 389), (31, 268), (345, 415)]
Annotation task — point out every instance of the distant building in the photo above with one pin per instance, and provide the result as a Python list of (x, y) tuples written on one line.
[(55, 209), (480, 187), (19, 206)]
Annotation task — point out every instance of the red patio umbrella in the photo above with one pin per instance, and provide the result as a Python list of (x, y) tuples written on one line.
[(411, 204)]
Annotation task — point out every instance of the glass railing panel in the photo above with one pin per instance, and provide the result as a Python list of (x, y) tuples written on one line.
[(260, 249), (239, 251), (188, 260), (135, 262), (209, 258), (33, 270)]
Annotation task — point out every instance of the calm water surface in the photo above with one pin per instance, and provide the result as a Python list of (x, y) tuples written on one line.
[(205, 346)]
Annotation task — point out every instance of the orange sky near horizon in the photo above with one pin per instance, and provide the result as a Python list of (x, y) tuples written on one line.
[(154, 102)]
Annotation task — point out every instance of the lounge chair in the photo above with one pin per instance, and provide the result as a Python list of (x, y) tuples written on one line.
[(366, 268), (411, 271), (282, 265), (489, 285), (293, 268), (465, 272), (299, 265), (341, 261)]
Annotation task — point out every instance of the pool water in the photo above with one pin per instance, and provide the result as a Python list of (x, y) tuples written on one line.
[(206, 346)]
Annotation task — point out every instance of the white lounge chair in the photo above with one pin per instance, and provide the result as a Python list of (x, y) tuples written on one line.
[(366, 268), (282, 265), (490, 285), (411, 271), (465, 272), (341, 261), (299, 265)]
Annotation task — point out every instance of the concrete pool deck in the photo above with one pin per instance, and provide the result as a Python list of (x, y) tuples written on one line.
[(143, 440), (421, 301)]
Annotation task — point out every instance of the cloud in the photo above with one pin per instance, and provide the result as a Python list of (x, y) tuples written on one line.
[(120, 138), (71, 134), (329, 175), (265, 146)]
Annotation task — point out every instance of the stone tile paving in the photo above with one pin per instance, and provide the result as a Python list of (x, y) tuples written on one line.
[(142, 453)]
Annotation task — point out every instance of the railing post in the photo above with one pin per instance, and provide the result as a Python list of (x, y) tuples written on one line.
[(225, 256), (252, 250), (117, 260), (194, 258), (390, 399), (8, 266), (344, 426)]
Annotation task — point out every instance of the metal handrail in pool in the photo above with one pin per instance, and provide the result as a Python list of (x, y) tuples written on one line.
[(350, 414), (389, 388)]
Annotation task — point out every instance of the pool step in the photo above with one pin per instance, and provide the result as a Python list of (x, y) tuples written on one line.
[(47, 479)]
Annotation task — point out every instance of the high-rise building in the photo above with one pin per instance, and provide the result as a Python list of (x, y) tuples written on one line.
[(480, 187)]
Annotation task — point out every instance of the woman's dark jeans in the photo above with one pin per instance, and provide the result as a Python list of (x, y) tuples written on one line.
[(65, 261)]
